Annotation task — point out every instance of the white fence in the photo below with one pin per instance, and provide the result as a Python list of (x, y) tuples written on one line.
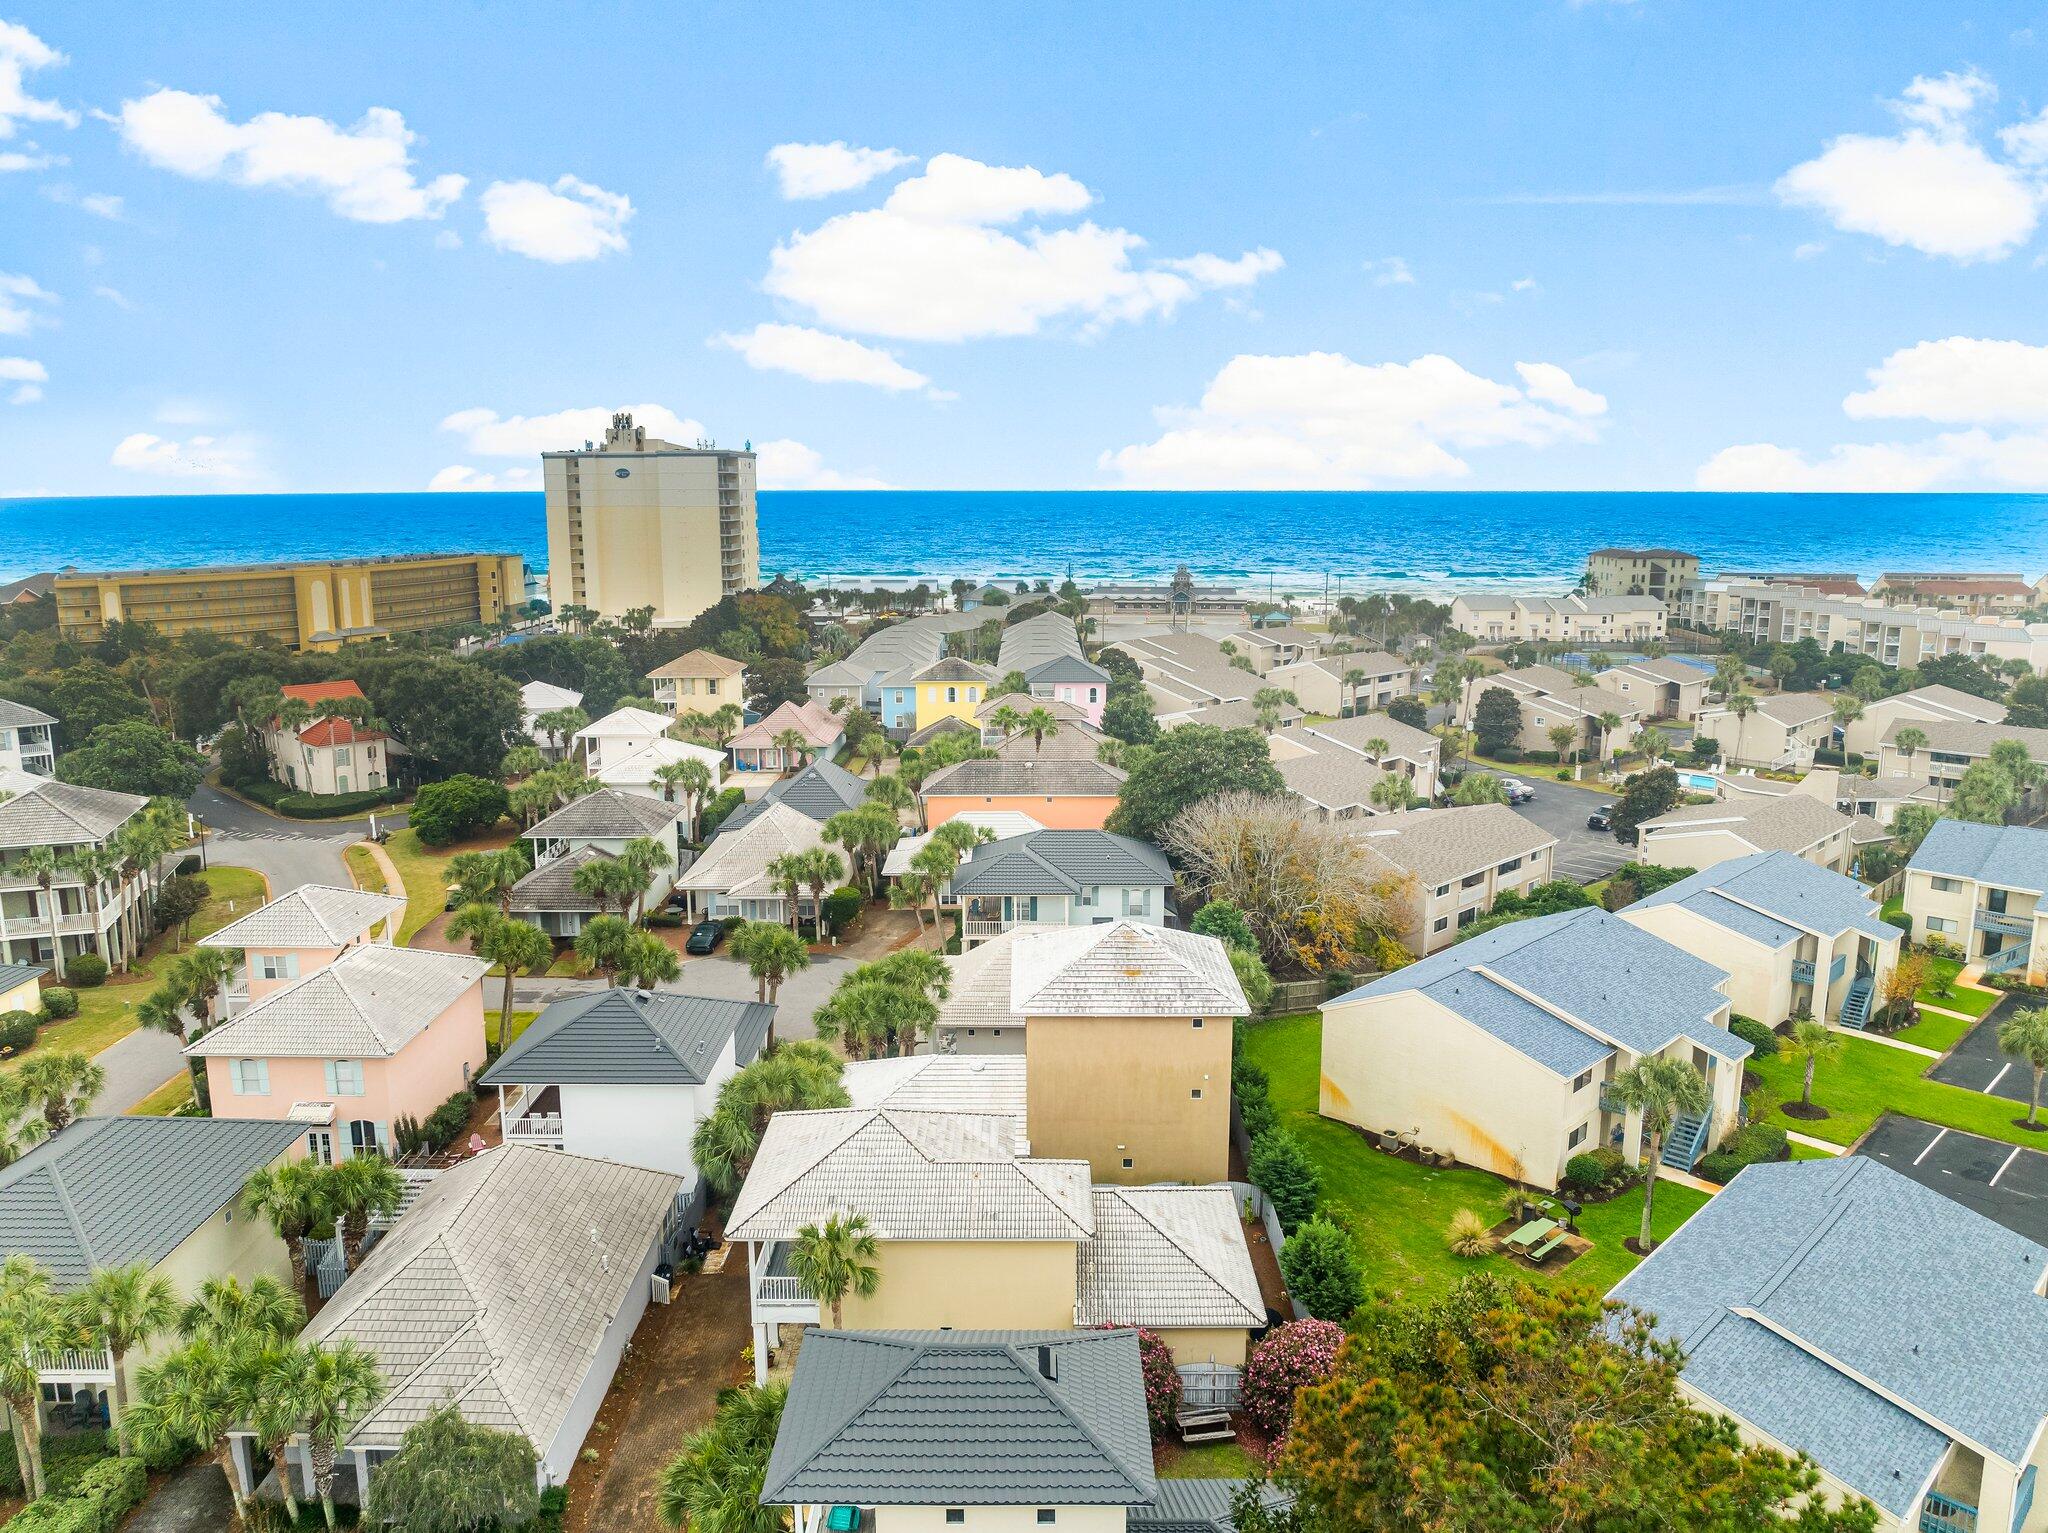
[(1210, 1387)]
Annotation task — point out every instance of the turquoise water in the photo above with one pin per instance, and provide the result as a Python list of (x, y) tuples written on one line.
[(1389, 538)]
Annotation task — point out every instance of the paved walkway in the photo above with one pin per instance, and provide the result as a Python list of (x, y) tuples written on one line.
[(1812, 1143), (194, 1500), (1890, 1043), (1687, 1179), (136, 1065)]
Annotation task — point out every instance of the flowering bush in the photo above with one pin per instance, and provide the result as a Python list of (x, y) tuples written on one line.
[(1162, 1378), (1292, 1355)]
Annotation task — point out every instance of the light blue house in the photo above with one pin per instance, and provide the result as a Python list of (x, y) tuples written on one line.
[(1059, 878)]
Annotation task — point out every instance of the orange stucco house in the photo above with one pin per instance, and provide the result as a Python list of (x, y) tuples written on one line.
[(1060, 794)]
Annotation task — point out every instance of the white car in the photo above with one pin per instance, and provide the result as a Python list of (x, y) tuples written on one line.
[(1518, 792)]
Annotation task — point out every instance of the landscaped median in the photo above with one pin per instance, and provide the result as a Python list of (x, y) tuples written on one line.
[(1871, 1079), (1398, 1211)]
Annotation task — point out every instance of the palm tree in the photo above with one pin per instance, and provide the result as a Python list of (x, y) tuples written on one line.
[(191, 1396), (330, 1388), (1564, 739), (1609, 721), (1354, 679), (473, 923), (19, 1128), (822, 868), (722, 723), (793, 747), (1813, 1042), (1375, 748), (647, 961), (787, 874), (293, 1198), (489, 876), (868, 1014), (517, 947), (201, 975), (867, 833), (772, 953), (1742, 705), (603, 880), (1041, 724), (1847, 709), (33, 1320), (602, 945), (43, 865), (1907, 742), (639, 860), (95, 865), (1393, 793), (1007, 719), (2024, 1035), (1728, 675), (892, 793), (912, 888), (831, 1261), (223, 1310), (713, 1485), (259, 1379), (361, 1186), (120, 1309), (692, 779), (1661, 1090), (57, 1085)]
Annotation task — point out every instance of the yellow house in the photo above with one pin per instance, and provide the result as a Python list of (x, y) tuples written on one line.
[(21, 986), (702, 681), (951, 689)]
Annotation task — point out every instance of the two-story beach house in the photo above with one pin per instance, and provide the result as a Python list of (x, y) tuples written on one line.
[(951, 688), (1922, 705), (107, 917), (537, 698), (1663, 688), (622, 733), (1549, 698), (1454, 863), (703, 681), (759, 748), (1061, 793), (1781, 732), (301, 931), (28, 739), (597, 825), (1981, 888), (1701, 835), (1058, 877), (732, 877), (1071, 680)]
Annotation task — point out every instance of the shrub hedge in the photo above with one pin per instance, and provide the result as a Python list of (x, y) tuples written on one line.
[(17, 1032), (59, 1002), (88, 971), (1755, 1034), (94, 1500), (841, 906), (293, 804), (1747, 1146)]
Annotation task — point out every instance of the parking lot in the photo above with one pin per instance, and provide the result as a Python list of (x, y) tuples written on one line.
[(2000, 1181), (1977, 1063), (1582, 855)]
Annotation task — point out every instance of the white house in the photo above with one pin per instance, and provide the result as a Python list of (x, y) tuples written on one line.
[(1058, 878), (536, 698), (600, 824), (1981, 888), (106, 916), (620, 734), (731, 878), (28, 739), (636, 773)]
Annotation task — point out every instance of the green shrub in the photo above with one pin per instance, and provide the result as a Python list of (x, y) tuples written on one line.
[(841, 906), (66, 1458), (1288, 1176), (293, 804), (448, 1120), (1322, 1270), (112, 1486), (1541, 758), (1583, 1173), (17, 1032), (56, 1514), (1509, 755), (10, 1475), (1755, 1034), (59, 1003), (456, 808), (716, 812), (88, 971), (1754, 1144), (1898, 918)]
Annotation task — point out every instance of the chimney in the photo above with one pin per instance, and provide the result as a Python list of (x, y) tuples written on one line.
[(1048, 1365)]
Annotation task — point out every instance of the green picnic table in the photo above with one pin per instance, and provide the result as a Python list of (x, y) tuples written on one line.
[(1529, 1234)]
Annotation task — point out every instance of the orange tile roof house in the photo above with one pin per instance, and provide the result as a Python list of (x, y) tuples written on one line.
[(329, 753), (1061, 794)]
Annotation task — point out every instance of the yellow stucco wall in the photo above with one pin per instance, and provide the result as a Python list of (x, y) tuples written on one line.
[(1111, 1089), (969, 1285), (1759, 979), (1226, 1347), (933, 706), (998, 1519), (26, 996)]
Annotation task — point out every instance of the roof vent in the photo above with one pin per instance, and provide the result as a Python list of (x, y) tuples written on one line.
[(1048, 1363)]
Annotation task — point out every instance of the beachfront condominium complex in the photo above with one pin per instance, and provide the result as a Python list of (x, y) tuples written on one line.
[(1861, 625), (639, 522), (319, 604), (1655, 572)]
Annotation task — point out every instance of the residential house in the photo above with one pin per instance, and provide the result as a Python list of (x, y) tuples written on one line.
[(1455, 863), (1070, 717), (1499, 1050), (21, 986), (162, 1193), (1126, 1031), (625, 1075), (1981, 888), (821, 790), (1058, 878), (1379, 738), (1838, 1309), (329, 753), (108, 918), (1061, 794), (986, 1085), (856, 680), (703, 681), (511, 1288), (754, 748), (1875, 802), (1663, 688), (621, 734), (1654, 572), (1935, 704), (379, 1034), (1280, 645), (304, 930), (1951, 748), (1071, 682), (1027, 645), (1362, 681), (1701, 835), (28, 739), (1595, 620), (1038, 1428), (640, 772), (536, 698), (1781, 733), (732, 877), (1189, 672), (974, 1230), (1795, 939), (946, 689), (1548, 698), (998, 823), (599, 825)]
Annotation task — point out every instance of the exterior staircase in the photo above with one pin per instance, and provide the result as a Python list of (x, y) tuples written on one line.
[(1856, 1005), (1686, 1142)]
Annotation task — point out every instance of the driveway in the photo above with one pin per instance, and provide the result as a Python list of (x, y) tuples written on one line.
[(136, 1065), (1977, 1063), (2000, 1181), (1582, 855)]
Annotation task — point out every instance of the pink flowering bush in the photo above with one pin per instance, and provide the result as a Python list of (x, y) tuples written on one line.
[(1302, 1352), (1162, 1378)]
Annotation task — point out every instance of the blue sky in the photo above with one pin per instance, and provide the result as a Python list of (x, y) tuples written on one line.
[(1533, 245)]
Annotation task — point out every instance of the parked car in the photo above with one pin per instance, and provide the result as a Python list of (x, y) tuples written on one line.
[(454, 897), (705, 936), (1518, 792), (1601, 818)]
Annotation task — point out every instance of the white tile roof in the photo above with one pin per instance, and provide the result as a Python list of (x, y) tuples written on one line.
[(626, 724), (913, 1175), (538, 697), (312, 915), (496, 1288), (737, 860), (368, 1004), (991, 1085), (637, 770), (1168, 1257), (1122, 969)]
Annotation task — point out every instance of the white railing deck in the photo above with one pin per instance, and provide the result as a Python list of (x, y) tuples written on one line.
[(540, 1125), (79, 1365)]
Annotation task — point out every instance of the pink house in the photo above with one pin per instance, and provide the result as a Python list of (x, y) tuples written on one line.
[(1070, 679), (381, 1033), (302, 931)]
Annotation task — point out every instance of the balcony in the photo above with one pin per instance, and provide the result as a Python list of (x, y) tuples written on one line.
[(1608, 1102), (1802, 971), (2003, 925), (532, 1115), (1945, 1514), (778, 1297), (82, 1366)]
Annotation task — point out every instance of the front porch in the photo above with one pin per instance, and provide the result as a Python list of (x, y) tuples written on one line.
[(531, 1115), (775, 1298)]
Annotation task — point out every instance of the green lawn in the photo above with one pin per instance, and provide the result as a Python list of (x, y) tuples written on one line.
[(166, 1099), (425, 872), (1935, 1032), (1539, 775), (1398, 1211), (521, 1021), (1206, 1461), (1870, 1080), (1967, 999)]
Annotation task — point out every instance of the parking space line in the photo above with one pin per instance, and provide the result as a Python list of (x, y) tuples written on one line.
[(2004, 1168), (1937, 1139), (1998, 1077)]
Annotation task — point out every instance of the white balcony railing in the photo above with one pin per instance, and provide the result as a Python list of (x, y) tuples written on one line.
[(75, 1367), (982, 928), (545, 1127)]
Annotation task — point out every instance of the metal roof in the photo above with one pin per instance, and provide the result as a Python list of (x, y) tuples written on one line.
[(1199, 1506), (1168, 1256), (368, 1004), (1067, 668), (633, 1037), (13, 975), (310, 916), (2012, 856), (106, 1192), (988, 1085), (1061, 862), (950, 1418)]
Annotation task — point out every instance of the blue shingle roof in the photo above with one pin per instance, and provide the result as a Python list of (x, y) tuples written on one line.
[(1774, 897), (1854, 1262), (2011, 856), (1622, 983), (633, 1037), (1061, 862), (820, 791)]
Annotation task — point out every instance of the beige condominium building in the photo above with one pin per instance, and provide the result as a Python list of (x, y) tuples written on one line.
[(638, 522), (1655, 572), (1897, 635), (316, 604)]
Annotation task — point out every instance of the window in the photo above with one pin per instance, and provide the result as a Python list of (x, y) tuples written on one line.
[(1094, 695), (1442, 890), (1195, 1095), (345, 1077), (952, 694), (251, 1077), (956, 1514), (279, 966), (1198, 1022), (1127, 1162), (1585, 1079), (1467, 916), (1509, 866), (1441, 923), (1947, 885), (1578, 1138), (1940, 924), (1046, 1514)]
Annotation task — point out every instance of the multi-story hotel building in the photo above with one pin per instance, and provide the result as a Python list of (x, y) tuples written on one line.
[(639, 522), (319, 604), (1656, 572)]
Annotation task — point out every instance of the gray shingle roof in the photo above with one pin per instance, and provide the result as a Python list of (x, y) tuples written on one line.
[(368, 1004), (1036, 640), (1403, 740), (1617, 982), (952, 1418), (53, 813), (954, 668), (496, 1288), (1783, 891), (1968, 739), (1438, 845), (1003, 777), (1664, 669), (608, 814), (1067, 668), (20, 715), (310, 916), (1061, 862), (551, 887), (1336, 780), (633, 1037), (2014, 856), (820, 790), (1793, 708), (109, 1191), (1800, 1263), (1968, 704), (1791, 822), (914, 1175), (1168, 1257)]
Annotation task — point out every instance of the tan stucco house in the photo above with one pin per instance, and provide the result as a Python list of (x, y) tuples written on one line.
[(702, 681), (1924, 705), (1783, 731), (1548, 698), (1456, 862), (1984, 890), (1663, 688), (1700, 835)]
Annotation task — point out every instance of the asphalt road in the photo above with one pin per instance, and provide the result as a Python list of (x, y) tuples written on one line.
[(1999, 1181), (1582, 855)]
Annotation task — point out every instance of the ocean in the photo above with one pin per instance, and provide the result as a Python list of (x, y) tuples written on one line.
[(1407, 540)]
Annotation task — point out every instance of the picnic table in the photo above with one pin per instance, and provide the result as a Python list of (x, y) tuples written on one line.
[(1528, 1235)]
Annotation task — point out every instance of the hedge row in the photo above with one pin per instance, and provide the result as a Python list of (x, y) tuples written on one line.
[(98, 1500), (316, 806)]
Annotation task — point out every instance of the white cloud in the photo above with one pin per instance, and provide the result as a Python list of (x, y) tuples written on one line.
[(1957, 380), (1931, 187), (365, 172), (2027, 142), (447, 239), (569, 221), (932, 264), (821, 357), (1761, 466), (99, 204), (820, 170), (1323, 421), (1808, 249), (1390, 271), (16, 294), (197, 457), (21, 54), (1526, 285), (459, 476), (31, 158), (491, 435), (114, 296), (28, 377), (787, 465)]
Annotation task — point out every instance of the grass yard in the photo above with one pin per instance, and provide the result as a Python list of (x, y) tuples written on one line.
[(1934, 1031), (1206, 1461), (1967, 999), (521, 1021), (568, 965), (165, 1100), (1870, 1080), (1538, 775), (425, 872), (1398, 1211), (106, 1013), (363, 867)]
